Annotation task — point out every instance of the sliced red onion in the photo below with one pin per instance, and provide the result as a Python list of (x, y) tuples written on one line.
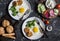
[(51, 13)]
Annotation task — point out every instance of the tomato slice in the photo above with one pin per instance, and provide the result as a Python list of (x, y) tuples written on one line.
[(58, 6), (46, 14)]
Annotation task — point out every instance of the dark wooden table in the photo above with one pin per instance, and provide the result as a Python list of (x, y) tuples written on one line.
[(54, 35)]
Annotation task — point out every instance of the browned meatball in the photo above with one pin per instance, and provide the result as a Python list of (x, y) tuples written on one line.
[(14, 3), (9, 29), (19, 2), (2, 30), (29, 34), (5, 23), (26, 30)]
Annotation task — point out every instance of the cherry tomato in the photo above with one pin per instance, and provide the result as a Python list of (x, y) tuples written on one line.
[(58, 6), (46, 14), (47, 22)]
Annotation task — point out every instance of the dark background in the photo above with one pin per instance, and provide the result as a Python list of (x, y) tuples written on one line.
[(54, 35)]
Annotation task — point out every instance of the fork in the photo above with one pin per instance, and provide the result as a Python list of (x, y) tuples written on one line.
[(42, 30)]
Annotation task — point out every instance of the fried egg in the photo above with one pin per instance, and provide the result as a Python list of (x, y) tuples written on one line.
[(21, 9), (35, 29)]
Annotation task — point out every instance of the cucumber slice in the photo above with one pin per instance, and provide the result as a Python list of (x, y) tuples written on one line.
[(56, 11), (41, 8)]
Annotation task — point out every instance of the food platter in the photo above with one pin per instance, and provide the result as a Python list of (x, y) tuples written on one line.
[(25, 5), (42, 21), (48, 9), (35, 35)]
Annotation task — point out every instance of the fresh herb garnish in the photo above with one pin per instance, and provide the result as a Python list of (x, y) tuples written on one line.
[(30, 23), (13, 9)]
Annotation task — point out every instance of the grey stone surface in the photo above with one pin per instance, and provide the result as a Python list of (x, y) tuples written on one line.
[(54, 35)]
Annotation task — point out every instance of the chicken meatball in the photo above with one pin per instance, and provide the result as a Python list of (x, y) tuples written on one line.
[(29, 34), (26, 30), (19, 2), (9, 29), (14, 3), (5, 23), (2, 30)]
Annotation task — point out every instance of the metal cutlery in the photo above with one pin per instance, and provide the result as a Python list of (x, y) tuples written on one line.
[(44, 32)]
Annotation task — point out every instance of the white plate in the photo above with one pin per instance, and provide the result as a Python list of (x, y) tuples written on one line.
[(34, 37), (52, 5), (24, 4)]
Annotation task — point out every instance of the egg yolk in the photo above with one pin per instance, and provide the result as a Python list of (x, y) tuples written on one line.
[(21, 10), (35, 29)]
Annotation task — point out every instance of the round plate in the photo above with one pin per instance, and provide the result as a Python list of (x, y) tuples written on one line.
[(25, 4), (34, 37), (53, 5)]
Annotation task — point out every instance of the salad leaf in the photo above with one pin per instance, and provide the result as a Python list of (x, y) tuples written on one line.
[(15, 13), (30, 23), (13, 9)]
